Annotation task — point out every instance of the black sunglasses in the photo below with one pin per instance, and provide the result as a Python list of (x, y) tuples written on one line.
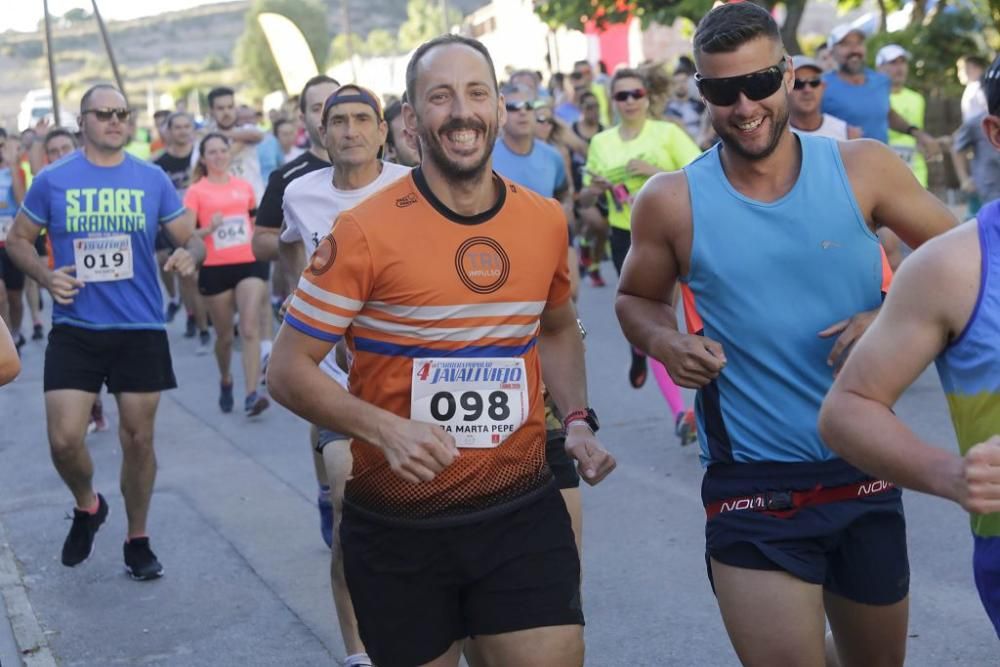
[(812, 83), (104, 115), (756, 86), (523, 105), (636, 94)]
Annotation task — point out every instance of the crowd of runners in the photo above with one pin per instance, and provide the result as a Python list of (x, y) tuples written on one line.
[(401, 273)]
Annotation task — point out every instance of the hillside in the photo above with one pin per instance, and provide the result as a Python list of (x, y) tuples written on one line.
[(167, 53)]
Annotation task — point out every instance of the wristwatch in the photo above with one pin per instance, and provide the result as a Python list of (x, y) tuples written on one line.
[(587, 416)]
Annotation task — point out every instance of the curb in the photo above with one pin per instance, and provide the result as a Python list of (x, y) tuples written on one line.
[(32, 644)]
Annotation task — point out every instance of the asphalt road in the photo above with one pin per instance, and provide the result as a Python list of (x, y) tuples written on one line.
[(235, 525)]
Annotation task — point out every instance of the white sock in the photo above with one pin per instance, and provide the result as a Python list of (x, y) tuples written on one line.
[(358, 660)]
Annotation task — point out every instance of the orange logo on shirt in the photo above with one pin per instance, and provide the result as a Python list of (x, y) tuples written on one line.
[(324, 257), (482, 265)]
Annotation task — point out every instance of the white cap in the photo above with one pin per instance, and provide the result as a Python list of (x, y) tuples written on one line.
[(890, 52), (841, 31), (805, 61)]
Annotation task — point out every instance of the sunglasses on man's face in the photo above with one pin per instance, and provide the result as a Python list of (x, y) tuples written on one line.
[(623, 95), (756, 86), (579, 74), (544, 120), (104, 115), (523, 105), (800, 84)]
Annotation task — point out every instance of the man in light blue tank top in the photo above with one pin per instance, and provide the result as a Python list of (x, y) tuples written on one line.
[(772, 237), (944, 306)]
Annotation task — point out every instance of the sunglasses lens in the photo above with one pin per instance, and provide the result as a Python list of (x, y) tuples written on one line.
[(623, 95), (762, 84), (720, 92)]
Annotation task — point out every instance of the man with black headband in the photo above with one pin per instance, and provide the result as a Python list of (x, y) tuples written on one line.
[(944, 307), (450, 287), (353, 133), (773, 236)]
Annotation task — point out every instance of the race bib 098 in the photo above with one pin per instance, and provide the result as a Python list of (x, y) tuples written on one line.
[(480, 402), (103, 258)]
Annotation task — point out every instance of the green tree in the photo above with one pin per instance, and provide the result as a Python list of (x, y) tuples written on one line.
[(380, 43), (75, 16), (253, 55), (425, 21), (574, 13), (343, 46)]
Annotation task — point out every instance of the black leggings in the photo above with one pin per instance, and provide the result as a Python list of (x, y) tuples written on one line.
[(621, 241)]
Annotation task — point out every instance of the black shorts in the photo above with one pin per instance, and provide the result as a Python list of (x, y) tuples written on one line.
[(562, 465), (418, 590), (853, 548), (11, 276), (131, 361), (214, 280)]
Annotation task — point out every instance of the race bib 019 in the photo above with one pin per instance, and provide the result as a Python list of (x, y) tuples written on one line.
[(234, 231), (6, 222), (103, 258), (480, 402)]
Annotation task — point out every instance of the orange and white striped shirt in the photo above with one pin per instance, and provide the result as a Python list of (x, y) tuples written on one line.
[(403, 278)]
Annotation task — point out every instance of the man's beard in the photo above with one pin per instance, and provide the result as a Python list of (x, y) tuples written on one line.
[(435, 152), (853, 66), (730, 137)]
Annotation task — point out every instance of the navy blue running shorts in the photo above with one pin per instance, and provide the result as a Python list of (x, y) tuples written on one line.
[(853, 548)]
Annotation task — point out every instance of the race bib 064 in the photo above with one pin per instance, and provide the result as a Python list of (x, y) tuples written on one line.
[(103, 258), (480, 402), (234, 231)]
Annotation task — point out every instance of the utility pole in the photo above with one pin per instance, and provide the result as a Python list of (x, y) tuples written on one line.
[(56, 120), (111, 53), (346, 12)]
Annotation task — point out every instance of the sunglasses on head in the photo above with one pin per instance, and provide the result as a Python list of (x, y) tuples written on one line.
[(623, 95), (756, 86), (812, 83), (104, 115), (523, 105)]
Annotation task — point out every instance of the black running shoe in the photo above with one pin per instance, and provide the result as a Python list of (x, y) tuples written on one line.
[(226, 400), (172, 309), (140, 561), (37, 332), (190, 329), (79, 543)]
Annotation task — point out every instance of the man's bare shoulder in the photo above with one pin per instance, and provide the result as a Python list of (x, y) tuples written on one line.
[(664, 199), (943, 276)]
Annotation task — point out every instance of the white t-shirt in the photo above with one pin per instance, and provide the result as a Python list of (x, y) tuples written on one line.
[(973, 100), (244, 164), (831, 127), (311, 205)]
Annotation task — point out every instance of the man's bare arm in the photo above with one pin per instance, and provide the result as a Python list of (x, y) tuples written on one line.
[(265, 243), (661, 225), (416, 451), (931, 297), (890, 196)]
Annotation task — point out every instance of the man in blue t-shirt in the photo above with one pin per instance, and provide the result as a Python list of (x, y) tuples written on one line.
[(860, 96), (102, 209), (521, 157)]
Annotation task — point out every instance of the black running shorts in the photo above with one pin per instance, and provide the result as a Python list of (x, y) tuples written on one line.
[(418, 590), (11, 276), (214, 280), (131, 361), (853, 548)]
